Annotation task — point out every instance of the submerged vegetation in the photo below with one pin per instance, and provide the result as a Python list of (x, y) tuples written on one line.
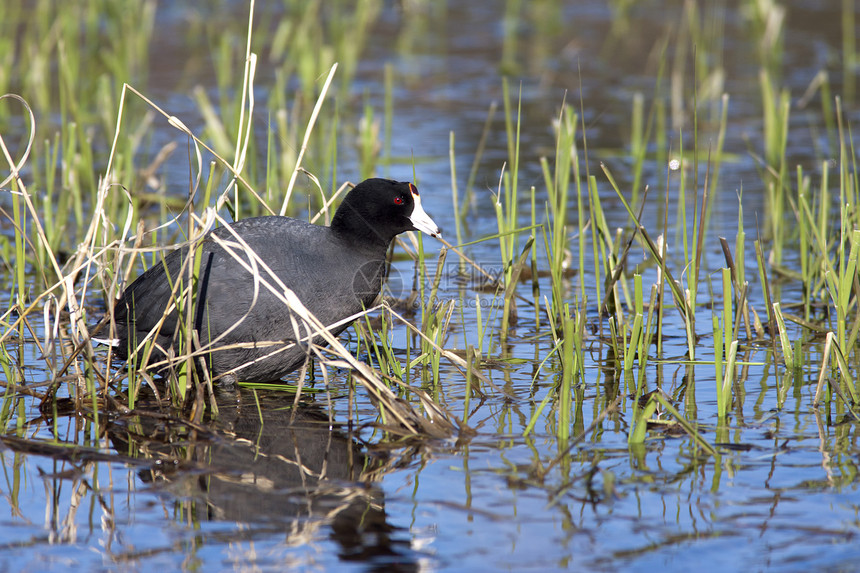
[(611, 267)]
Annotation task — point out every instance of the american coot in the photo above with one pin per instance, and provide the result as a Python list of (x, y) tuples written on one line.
[(335, 271)]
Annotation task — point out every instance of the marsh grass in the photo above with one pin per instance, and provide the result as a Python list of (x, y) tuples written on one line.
[(584, 291), (589, 325), (103, 256)]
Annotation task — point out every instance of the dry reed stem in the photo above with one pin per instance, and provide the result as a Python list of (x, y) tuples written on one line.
[(68, 285), (307, 137)]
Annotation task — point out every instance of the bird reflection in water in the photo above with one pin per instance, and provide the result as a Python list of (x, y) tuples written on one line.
[(276, 470)]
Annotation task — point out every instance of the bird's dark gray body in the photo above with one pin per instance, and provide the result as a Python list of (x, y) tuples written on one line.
[(292, 249), (335, 271)]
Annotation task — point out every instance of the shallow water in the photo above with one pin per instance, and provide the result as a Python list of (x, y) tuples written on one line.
[(305, 488)]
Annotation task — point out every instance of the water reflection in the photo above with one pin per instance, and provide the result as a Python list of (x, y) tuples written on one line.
[(280, 474), (782, 495)]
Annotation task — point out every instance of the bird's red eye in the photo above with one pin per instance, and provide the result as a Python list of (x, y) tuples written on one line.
[(398, 200)]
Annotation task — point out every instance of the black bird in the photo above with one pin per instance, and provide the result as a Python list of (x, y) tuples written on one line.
[(335, 271)]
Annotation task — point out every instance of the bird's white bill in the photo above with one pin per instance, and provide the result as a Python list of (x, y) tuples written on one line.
[(421, 220)]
